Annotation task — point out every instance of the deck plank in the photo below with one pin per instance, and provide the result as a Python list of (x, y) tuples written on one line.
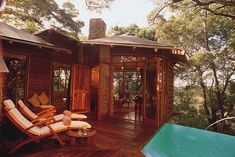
[(114, 137)]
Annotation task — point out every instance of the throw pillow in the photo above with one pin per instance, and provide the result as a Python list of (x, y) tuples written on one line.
[(34, 100), (67, 113), (66, 120), (44, 100)]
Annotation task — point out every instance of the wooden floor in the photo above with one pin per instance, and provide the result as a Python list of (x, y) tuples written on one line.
[(114, 137)]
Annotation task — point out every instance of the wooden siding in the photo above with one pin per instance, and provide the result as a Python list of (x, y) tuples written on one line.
[(170, 88), (39, 65), (39, 79)]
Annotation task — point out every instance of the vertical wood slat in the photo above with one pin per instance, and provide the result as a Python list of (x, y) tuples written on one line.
[(158, 94), (144, 92), (39, 72), (170, 88), (80, 89)]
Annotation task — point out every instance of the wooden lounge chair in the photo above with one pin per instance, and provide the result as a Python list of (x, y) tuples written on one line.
[(42, 129), (45, 114)]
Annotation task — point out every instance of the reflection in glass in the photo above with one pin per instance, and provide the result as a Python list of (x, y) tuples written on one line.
[(14, 84)]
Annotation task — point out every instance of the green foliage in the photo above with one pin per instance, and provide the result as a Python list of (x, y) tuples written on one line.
[(223, 8), (30, 26), (209, 42), (134, 30), (28, 13), (187, 107)]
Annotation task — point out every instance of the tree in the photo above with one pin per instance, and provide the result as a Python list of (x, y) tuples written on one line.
[(98, 5), (36, 12), (134, 30), (209, 42), (31, 15), (187, 108), (224, 8)]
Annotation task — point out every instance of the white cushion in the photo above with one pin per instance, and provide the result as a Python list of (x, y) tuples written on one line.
[(23, 122), (30, 113), (79, 125), (57, 127), (9, 104), (78, 116), (58, 117), (21, 103), (27, 110)]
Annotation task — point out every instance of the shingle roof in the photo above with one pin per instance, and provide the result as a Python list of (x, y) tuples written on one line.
[(10, 33), (13, 33), (126, 40)]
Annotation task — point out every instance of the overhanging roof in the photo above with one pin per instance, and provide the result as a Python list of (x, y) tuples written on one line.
[(127, 40), (137, 42), (13, 34)]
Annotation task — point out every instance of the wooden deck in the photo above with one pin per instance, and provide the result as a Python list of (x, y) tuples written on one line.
[(114, 137)]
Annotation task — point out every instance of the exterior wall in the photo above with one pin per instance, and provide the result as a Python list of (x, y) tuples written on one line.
[(39, 76), (170, 88), (39, 65)]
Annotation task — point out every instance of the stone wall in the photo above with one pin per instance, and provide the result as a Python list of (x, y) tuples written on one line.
[(97, 28)]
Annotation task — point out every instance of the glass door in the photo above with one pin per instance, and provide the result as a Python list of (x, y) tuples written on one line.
[(150, 91), (60, 87)]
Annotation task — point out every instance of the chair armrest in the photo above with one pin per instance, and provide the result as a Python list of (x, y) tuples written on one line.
[(52, 110), (44, 122), (45, 115)]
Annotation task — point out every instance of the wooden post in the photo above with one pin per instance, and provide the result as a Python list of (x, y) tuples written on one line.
[(110, 107), (144, 93), (104, 84), (158, 94)]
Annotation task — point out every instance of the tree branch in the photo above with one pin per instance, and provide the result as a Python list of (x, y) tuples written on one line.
[(227, 81), (221, 14), (156, 15)]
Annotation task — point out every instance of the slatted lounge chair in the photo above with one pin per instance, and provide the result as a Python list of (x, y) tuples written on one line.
[(47, 113), (42, 129)]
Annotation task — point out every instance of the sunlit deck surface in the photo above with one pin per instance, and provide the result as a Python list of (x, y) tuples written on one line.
[(114, 137)]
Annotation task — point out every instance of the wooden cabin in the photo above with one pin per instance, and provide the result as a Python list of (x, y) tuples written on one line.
[(95, 77), (154, 62), (79, 75), (32, 64)]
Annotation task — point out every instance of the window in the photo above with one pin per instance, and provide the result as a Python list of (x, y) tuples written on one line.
[(61, 79), (14, 83)]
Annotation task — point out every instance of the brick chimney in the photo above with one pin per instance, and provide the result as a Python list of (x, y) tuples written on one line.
[(97, 28)]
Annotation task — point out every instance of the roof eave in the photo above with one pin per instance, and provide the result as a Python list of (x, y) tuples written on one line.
[(36, 44), (128, 45)]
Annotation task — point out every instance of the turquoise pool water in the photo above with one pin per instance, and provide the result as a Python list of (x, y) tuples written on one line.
[(180, 141)]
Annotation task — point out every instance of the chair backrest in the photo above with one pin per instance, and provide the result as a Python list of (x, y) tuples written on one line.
[(19, 120), (26, 111)]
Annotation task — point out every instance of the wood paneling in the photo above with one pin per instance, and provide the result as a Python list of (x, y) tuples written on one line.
[(39, 79), (170, 87), (80, 88)]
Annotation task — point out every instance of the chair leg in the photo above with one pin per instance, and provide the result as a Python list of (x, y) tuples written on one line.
[(56, 135), (20, 144)]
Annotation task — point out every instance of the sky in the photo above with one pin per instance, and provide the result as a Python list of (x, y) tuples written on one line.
[(121, 13)]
